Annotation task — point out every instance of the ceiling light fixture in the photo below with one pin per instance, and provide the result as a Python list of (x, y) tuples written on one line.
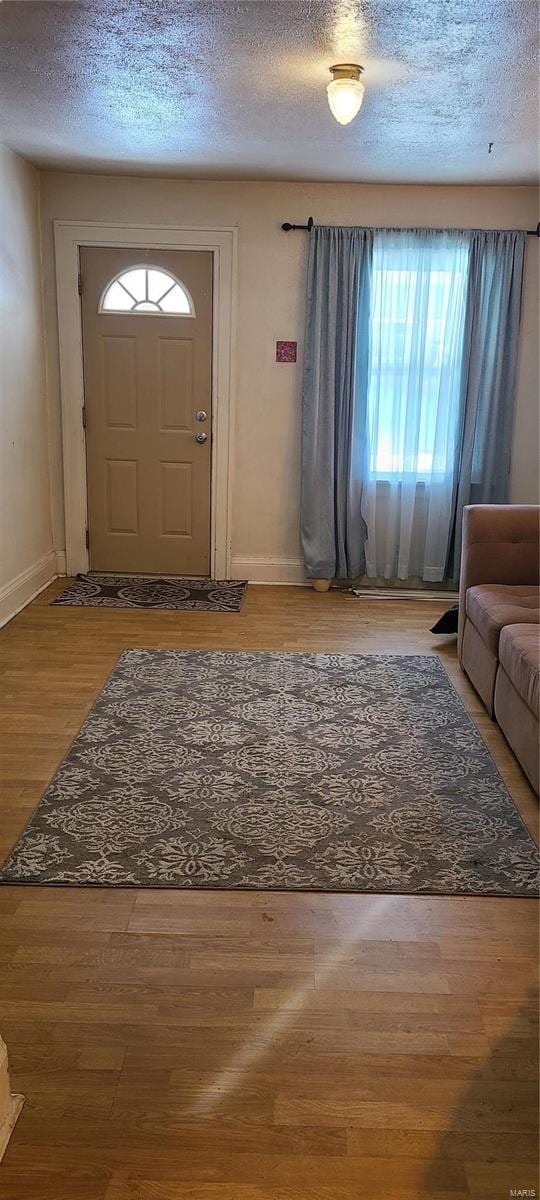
[(345, 91)]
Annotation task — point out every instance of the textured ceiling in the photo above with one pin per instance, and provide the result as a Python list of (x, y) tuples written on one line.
[(226, 89)]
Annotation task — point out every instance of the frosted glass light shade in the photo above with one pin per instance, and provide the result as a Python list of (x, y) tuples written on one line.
[(345, 98)]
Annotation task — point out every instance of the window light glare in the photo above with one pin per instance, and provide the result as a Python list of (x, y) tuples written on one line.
[(116, 299), (147, 290), (345, 92), (135, 282)]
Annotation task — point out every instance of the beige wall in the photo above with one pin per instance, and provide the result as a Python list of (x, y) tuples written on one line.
[(26, 545), (271, 293)]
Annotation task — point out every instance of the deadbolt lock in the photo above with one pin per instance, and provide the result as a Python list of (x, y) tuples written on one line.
[(200, 415)]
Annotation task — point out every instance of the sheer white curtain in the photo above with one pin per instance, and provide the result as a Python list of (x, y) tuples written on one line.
[(416, 326)]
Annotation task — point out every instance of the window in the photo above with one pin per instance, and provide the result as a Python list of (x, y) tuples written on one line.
[(417, 311), (147, 290)]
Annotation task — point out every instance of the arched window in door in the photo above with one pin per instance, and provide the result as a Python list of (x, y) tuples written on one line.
[(148, 291)]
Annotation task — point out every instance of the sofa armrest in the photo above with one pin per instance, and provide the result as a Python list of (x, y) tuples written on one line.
[(500, 545)]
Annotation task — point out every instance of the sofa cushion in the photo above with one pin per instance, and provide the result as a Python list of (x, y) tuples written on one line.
[(519, 654), (491, 606)]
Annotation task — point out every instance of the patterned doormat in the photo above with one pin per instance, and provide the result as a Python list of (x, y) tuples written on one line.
[(321, 772), (139, 591)]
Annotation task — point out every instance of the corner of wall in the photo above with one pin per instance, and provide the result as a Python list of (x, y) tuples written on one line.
[(28, 561), (48, 406), (16, 594)]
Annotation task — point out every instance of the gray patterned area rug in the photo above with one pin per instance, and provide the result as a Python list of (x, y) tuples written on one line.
[(140, 591), (318, 772)]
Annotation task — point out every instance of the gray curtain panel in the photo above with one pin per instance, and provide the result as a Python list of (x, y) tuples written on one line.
[(490, 351), (334, 402), (336, 382)]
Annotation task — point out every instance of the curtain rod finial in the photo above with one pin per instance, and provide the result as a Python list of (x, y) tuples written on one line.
[(287, 224)]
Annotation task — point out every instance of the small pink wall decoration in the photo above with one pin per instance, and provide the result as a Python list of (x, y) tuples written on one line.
[(286, 352)]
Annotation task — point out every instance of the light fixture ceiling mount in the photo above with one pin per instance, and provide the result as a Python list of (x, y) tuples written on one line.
[(345, 91)]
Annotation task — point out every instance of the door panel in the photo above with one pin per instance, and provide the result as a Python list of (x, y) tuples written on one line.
[(176, 383), (119, 382), (176, 498), (146, 375), (123, 502)]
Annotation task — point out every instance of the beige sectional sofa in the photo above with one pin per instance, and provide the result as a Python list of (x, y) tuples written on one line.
[(499, 620)]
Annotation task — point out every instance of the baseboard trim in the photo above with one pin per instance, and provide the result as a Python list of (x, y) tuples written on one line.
[(289, 572), (16, 594), (367, 593), (61, 568), (285, 571)]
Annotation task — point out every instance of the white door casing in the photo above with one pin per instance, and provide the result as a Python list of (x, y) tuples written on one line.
[(69, 236)]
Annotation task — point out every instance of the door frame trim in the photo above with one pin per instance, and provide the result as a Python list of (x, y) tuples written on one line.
[(69, 236)]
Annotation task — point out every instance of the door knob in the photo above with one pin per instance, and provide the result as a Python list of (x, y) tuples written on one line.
[(200, 415), (200, 438)]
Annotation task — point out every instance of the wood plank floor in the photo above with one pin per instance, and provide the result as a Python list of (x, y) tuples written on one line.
[(253, 1046)]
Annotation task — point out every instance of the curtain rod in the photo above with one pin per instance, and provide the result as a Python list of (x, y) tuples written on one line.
[(310, 223)]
